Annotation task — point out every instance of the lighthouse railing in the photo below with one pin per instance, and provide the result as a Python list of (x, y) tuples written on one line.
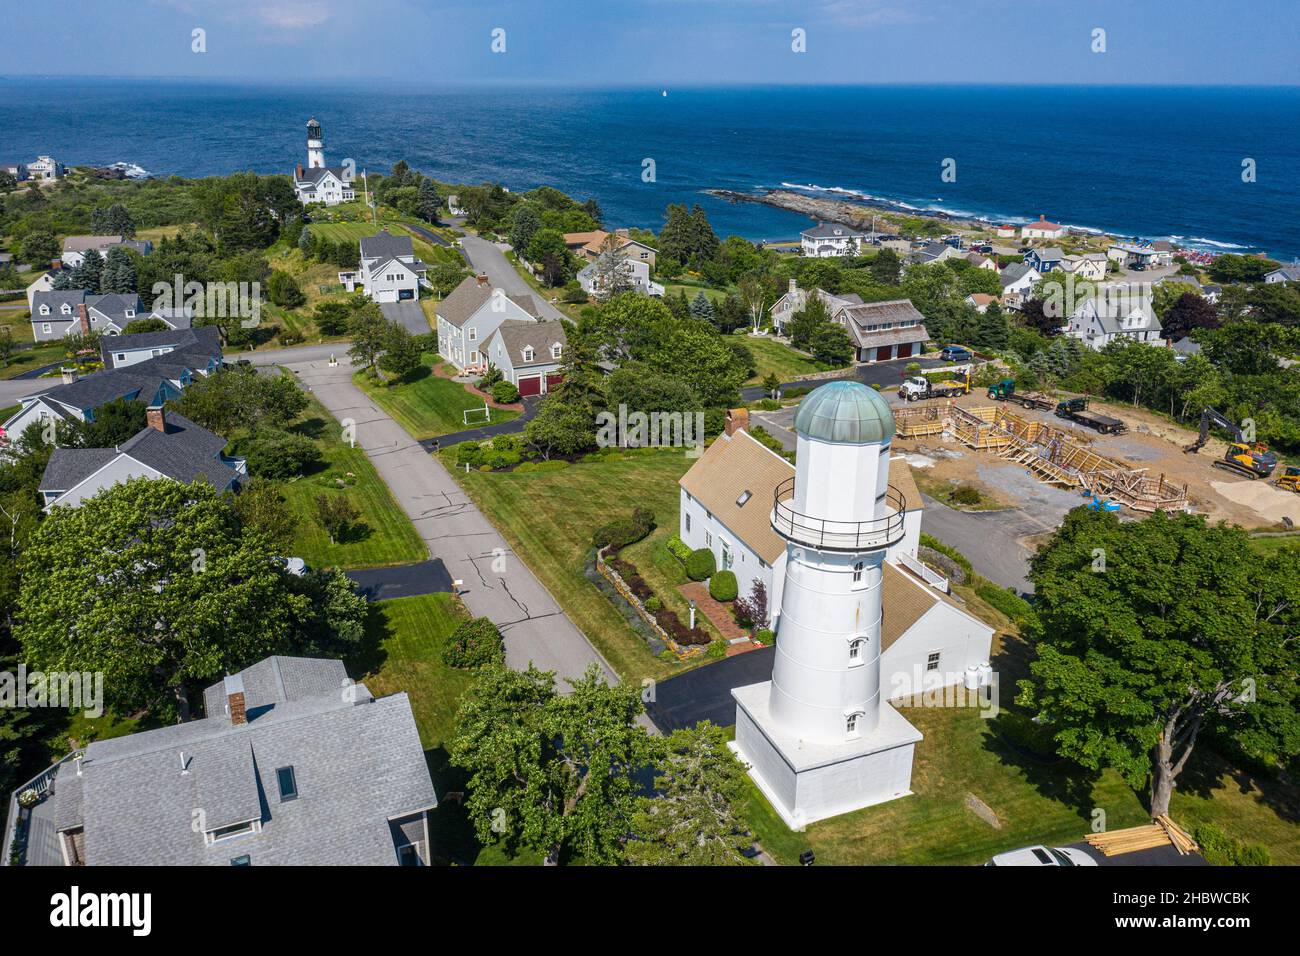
[(838, 535)]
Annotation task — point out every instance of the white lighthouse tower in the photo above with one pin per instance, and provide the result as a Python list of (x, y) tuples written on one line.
[(315, 145), (817, 737)]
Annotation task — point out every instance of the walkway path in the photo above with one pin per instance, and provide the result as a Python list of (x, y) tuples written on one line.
[(496, 583)]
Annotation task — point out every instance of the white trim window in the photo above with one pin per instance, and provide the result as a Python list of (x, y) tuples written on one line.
[(47, 328), (528, 353), (932, 662), (857, 651)]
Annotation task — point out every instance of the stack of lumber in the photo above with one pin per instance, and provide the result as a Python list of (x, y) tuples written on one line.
[(1161, 832), (1180, 838), (1116, 842)]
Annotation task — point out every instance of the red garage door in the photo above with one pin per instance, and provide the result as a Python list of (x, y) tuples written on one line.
[(532, 385), (553, 379), (905, 350), (884, 353)]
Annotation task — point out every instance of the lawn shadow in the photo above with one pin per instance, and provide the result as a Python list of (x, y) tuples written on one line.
[(354, 533), (313, 427), (1208, 771), (369, 656)]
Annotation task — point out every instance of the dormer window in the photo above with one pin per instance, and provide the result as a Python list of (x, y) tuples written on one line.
[(45, 310), (528, 353), (67, 309), (556, 349)]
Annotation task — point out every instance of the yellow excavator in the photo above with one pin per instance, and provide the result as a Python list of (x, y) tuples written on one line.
[(1245, 457), (1290, 480)]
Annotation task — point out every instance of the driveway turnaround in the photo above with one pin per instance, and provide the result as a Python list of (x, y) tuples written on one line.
[(408, 314), (495, 582), (404, 580), (484, 432), (484, 256), (705, 693)]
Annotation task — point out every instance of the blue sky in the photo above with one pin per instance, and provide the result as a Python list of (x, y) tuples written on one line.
[(667, 42)]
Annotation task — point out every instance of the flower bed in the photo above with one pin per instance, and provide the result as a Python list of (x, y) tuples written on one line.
[(685, 642)]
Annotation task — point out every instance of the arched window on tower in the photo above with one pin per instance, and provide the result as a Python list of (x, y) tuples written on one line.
[(857, 650), (858, 575), (851, 723)]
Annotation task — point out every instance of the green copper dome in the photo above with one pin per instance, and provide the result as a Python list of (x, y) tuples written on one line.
[(847, 413)]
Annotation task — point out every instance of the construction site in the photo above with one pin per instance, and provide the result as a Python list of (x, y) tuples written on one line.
[(1141, 468)]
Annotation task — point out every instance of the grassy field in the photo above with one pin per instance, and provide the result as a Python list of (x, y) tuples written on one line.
[(405, 639), (425, 405), (1274, 544), (554, 540), (772, 356), (383, 536)]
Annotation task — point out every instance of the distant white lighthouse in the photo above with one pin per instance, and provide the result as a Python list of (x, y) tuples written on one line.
[(817, 737), (315, 145)]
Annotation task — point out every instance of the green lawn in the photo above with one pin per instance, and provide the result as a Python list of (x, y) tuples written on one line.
[(24, 360), (405, 639), (384, 534), (1035, 802), (549, 516), (425, 405), (772, 356), (1273, 544)]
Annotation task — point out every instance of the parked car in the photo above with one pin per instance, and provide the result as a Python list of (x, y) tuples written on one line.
[(956, 353), (1043, 856)]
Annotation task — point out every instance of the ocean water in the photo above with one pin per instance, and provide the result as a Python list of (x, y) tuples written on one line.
[(1150, 161)]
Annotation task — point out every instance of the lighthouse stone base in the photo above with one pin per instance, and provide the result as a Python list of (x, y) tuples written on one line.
[(806, 781)]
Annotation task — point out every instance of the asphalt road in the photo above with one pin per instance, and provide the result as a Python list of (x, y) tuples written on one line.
[(486, 257), (705, 693), (873, 373), (496, 582)]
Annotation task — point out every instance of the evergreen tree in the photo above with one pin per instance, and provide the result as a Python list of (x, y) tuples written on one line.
[(527, 222), (702, 308), (305, 242), (428, 203), (886, 267), (992, 332), (89, 272)]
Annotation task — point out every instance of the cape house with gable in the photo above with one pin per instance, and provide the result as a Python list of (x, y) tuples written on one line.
[(58, 314), (927, 635)]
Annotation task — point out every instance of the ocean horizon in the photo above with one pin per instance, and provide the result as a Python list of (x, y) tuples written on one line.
[(1151, 161)]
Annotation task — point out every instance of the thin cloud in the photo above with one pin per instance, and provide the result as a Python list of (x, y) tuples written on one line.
[(869, 13)]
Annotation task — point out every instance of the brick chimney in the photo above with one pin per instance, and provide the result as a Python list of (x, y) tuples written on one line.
[(234, 687), (794, 286), (300, 170), (69, 375), (155, 418), (83, 316), (737, 420)]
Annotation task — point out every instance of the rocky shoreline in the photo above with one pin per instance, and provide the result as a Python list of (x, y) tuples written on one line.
[(847, 212)]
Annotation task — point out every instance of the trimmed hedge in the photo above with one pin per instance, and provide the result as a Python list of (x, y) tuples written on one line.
[(723, 587), (474, 643), (679, 549), (701, 565), (934, 544), (1009, 603), (504, 393), (619, 534)]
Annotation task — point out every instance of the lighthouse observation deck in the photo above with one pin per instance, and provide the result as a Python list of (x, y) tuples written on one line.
[(838, 535)]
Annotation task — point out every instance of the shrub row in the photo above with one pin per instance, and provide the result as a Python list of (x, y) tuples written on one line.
[(701, 565), (1008, 602), (624, 531), (665, 617), (679, 549)]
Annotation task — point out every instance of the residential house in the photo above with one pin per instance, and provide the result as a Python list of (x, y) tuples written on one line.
[(42, 283), (1044, 260), (389, 270), (293, 765), (1142, 255), (56, 315), (726, 503), (589, 245), (17, 170), (152, 380), (1185, 283), (826, 240), (982, 300), (76, 247), (1042, 229), (170, 446), (453, 205), (933, 252), (45, 169), (1212, 293), (530, 354), (636, 275), (981, 261), (330, 185), (1111, 316), (470, 314), (795, 298), (1006, 231), (1289, 273), (1185, 348), (1018, 281), (1089, 266), (881, 331)]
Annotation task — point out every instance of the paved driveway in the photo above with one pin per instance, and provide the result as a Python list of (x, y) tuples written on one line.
[(484, 256), (497, 584), (404, 580), (705, 693), (408, 314)]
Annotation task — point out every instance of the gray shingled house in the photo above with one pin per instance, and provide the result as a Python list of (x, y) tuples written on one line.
[(293, 765)]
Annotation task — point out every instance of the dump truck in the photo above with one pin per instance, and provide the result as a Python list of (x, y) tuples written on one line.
[(1243, 455), (1005, 391), (918, 387), (1076, 410)]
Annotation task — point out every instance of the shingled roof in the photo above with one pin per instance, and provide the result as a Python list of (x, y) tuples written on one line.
[(357, 762), (464, 300)]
